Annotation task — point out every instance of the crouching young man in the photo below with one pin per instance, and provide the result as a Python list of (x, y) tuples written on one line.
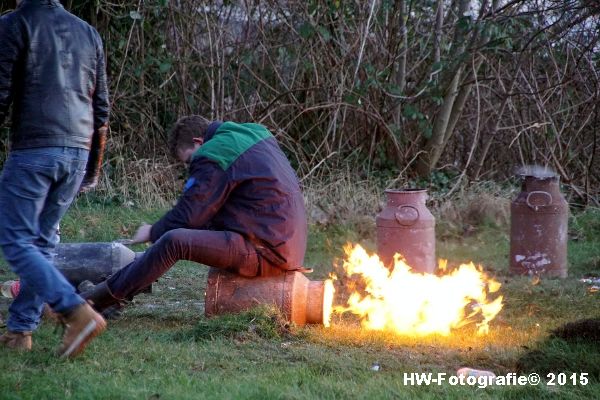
[(241, 210)]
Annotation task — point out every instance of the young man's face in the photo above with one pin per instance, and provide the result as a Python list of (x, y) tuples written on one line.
[(184, 154)]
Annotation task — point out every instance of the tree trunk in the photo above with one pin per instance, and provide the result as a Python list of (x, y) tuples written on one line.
[(400, 75), (439, 22), (435, 144)]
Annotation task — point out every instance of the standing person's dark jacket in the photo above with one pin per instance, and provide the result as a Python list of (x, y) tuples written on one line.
[(241, 181), (54, 75)]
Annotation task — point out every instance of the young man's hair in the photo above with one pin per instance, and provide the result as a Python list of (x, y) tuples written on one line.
[(184, 130)]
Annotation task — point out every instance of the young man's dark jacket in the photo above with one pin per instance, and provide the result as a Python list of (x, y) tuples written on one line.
[(241, 181), (52, 70)]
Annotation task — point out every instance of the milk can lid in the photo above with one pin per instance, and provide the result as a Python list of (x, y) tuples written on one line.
[(536, 171)]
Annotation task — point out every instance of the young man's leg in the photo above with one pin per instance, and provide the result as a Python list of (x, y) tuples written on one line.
[(220, 249)]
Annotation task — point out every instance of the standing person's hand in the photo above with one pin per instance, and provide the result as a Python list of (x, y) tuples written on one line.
[(142, 235), (88, 184), (94, 163)]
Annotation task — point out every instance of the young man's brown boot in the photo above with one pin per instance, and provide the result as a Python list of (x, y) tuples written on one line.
[(16, 340), (82, 325)]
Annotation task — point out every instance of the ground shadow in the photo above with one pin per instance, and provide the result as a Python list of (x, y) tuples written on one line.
[(571, 348)]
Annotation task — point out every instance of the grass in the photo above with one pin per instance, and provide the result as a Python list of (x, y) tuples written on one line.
[(164, 348)]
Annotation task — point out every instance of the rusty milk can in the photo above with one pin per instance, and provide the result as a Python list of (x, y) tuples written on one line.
[(407, 227), (538, 228), (302, 301)]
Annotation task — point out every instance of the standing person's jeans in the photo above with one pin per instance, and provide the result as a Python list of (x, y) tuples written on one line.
[(37, 187)]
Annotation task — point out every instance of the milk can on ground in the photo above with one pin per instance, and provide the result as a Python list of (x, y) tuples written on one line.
[(538, 228), (301, 300), (406, 226), (83, 262)]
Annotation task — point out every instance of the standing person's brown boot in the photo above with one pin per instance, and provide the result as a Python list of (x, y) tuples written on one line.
[(82, 325), (16, 340)]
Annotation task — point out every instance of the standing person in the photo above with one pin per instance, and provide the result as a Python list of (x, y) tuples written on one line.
[(52, 71), (241, 210)]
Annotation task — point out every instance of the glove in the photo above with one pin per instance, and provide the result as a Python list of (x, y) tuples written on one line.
[(94, 164)]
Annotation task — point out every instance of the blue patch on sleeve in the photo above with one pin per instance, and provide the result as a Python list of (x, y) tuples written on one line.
[(190, 182)]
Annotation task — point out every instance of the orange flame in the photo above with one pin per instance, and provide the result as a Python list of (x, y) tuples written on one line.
[(412, 303)]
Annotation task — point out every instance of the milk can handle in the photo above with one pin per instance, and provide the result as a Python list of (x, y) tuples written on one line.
[(534, 207), (402, 221)]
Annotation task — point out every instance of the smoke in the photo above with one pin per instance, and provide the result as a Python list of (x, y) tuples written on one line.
[(537, 171)]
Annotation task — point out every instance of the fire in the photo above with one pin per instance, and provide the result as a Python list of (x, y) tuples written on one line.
[(412, 303), (328, 295)]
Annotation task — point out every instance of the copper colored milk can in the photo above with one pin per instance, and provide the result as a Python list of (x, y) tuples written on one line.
[(407, 227), (538, 228), (301, 301)]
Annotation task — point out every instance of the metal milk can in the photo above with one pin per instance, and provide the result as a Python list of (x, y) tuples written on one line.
[(538, 228), (407, 227), (301, 300), (93, 262)]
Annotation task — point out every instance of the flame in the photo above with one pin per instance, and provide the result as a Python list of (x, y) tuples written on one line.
[(328, 294), (412, 303)]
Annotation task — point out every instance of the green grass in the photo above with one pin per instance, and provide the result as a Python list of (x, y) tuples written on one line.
[(164, 348)]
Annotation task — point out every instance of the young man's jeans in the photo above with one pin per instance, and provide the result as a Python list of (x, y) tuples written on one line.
[(37, 187), (220, 249)]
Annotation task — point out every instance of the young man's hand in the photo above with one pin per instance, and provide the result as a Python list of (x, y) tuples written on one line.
[(142, 235)]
